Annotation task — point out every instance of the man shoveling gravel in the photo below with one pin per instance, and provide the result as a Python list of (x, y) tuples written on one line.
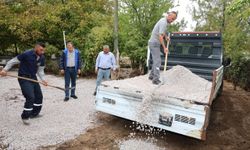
[(31, 62)]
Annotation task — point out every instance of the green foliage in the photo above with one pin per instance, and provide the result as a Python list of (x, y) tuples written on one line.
[(209, 16), (237, 5), (87, 23), (239, 72), (231, 18), (98, 37), (136, 21), (50, 50)]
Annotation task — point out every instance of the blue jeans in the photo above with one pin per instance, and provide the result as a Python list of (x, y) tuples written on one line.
[(34, 98), (102, 74), (70, 76)]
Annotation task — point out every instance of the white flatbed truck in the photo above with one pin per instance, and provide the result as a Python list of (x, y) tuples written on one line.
[(202, 53)]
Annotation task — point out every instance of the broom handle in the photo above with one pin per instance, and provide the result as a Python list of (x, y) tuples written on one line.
[(166, 55)]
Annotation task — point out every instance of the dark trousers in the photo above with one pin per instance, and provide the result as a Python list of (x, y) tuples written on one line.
[(34, 98), (70, 77)]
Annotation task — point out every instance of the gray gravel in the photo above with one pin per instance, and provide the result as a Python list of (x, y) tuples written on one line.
[(135, 144), (60, 120)]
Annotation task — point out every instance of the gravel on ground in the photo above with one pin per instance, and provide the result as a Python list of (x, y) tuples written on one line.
[(60, 121)]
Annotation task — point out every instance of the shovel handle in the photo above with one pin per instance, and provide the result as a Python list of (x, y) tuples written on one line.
[(35, 81), (166, 55)]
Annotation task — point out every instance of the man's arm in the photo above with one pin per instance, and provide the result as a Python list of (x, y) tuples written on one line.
[(10, 64), (40, 73), (161, 38), (79, 61), (162, 34), (97, 62), (61, 65)]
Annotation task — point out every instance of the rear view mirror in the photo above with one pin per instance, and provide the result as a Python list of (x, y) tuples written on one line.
[(227, 62)]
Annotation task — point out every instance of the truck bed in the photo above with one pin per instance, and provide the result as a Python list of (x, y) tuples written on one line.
[(180, 115), (181, 109)]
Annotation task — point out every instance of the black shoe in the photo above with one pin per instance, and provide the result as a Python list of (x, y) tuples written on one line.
[(94, 94), (35, 116), (156, 82), (26, 121), (150, 78), (74, 96), (66, 99)]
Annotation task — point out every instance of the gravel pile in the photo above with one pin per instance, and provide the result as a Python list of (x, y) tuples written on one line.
[(177, 82), (60, 120)]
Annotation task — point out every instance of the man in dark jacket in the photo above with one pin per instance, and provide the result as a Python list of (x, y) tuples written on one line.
[(70, 66), (31, 64)]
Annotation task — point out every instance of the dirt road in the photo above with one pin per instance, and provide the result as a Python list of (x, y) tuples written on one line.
[(229, 129)]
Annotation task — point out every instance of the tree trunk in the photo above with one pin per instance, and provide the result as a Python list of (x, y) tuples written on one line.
[(116, 34), (16, 49), (223, 16)]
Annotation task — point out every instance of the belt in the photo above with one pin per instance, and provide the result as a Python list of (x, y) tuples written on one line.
[(104, 68), (71, 67)]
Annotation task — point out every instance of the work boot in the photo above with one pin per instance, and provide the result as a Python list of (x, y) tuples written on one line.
[(150, 78), (156, 82), (35, 116), (26, 121), (66, 99), (74, 96)]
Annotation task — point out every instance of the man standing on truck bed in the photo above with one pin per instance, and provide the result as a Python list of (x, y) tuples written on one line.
[(31, 64), (156, 41)]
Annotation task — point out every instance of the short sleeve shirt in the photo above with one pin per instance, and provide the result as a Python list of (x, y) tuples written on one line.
[(159, 28), (29, 63)]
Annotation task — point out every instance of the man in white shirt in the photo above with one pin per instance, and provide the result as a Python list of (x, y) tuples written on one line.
[(105, 62)]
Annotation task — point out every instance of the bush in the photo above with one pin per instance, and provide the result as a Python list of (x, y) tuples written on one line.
[(52, 66), (239, 72)]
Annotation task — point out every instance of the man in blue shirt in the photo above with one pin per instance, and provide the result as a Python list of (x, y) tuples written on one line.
[(70, 65), (104, 63), (32, 63)]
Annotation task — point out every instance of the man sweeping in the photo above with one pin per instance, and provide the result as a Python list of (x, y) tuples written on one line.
[(31, 64), (156, 41)]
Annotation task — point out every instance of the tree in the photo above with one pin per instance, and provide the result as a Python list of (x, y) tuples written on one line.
[(232, 20), (22, 23), (137, 19)]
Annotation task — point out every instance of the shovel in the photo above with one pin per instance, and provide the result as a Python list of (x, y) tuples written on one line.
[(35, 81), (166, 55)]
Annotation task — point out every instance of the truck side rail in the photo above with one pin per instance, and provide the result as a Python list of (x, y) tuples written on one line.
[(216, 83)]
